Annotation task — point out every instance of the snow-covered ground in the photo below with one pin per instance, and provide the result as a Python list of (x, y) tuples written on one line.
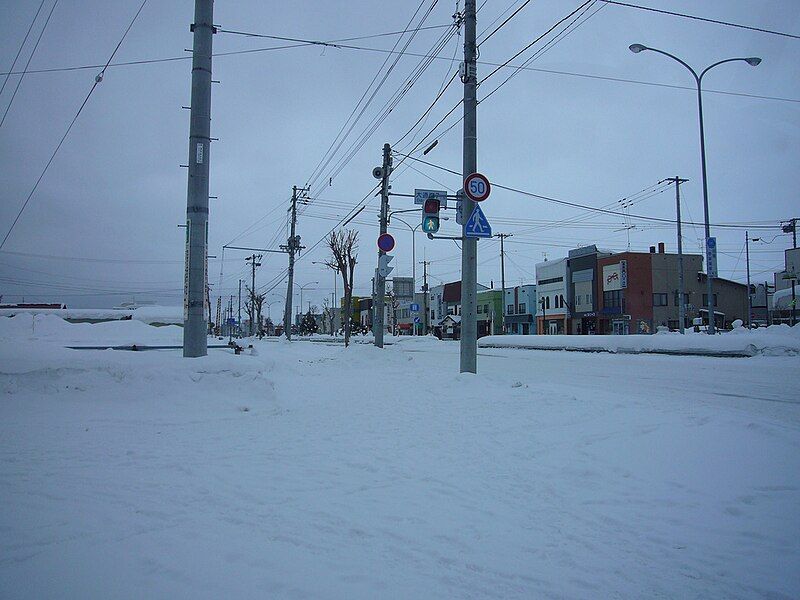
[(147, 314), (775, 340), (315, 471)]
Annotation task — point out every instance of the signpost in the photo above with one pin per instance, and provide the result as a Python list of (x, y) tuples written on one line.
[(477, 226), (711, 257), (477, 187), (421, 195), (386, 242)]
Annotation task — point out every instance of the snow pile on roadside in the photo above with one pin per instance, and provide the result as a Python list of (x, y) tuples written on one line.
[(148, 314), (776, 340), (52, 328)]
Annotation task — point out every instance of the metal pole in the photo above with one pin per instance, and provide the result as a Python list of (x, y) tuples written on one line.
[(425, 302), (794, 298), (749, 296), (380, 280), (195, 340), (681, 301), (709, 278), (469, 246), (290, 246)]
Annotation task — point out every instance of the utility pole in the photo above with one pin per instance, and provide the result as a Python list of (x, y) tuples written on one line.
[(793, 228), (502, 237), (380, 278), (469, 246), (749, 295), (239, 321), (253, 260), (681, 304), (292, 247), (195, 340), (425, 302)]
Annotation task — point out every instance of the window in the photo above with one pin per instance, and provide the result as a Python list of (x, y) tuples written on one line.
[(588, 299), (660, 299), (685, 299), (705, 300), (486, 308), (577, 300), (480, 307), (612, 299), (521, 309), (510, 309), (547, 301)]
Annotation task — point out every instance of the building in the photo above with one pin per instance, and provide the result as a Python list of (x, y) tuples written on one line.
[(409, 315), (445, 300), (583, 289), (520, 310), (490, 312), (552, 311), (640, 292)]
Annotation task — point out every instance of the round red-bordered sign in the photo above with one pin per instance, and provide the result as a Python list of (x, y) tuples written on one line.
[(386, 242), (477, 187)]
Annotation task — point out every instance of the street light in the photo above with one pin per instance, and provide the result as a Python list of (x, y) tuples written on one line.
[(753, 61), (335, 277), (302, 287)]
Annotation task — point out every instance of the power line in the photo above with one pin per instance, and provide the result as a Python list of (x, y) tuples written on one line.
[(335, 43), (27, 64), (97, 80), (22, 45), (696, 18)]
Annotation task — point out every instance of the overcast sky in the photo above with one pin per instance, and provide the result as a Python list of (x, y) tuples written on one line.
[(102, 227)]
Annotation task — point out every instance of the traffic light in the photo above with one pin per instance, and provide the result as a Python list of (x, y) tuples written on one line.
[(430, 215)]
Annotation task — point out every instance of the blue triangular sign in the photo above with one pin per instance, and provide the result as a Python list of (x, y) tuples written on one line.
[(477, 226)]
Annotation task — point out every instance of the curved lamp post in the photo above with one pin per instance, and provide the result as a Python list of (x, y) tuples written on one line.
[(753, 62)]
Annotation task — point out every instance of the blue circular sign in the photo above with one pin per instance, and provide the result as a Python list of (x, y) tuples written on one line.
[(386, 242)]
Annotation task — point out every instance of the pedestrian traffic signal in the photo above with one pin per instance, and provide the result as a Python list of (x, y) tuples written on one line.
[(430, 215)]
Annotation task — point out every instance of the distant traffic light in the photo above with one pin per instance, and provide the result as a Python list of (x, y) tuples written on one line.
[(430, 215)]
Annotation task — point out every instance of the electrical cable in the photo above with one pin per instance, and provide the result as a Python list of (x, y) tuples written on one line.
[(21, 46), (97, 80), (696, 18)]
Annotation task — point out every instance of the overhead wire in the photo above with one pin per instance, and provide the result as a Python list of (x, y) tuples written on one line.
[(21, 46), (97, 80)]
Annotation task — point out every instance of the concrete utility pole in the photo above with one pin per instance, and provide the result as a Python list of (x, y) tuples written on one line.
[(502, 237), (195, 340), (253, 260), (469, 246), (239, 321), (425, 301), (681, 303), (380, 279), (749, 295), (292, 247), (793, 228)]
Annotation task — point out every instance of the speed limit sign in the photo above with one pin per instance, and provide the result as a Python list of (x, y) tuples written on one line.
[(477, 187)]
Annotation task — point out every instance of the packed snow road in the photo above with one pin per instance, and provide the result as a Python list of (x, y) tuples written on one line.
[(314, 471)]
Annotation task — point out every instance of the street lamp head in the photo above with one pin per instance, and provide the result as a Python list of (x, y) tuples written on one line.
[(753, 61), (636, 48)]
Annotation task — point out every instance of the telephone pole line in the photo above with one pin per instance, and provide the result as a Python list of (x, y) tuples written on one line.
[(292, 247), (425, 303), (195, 337), (253, 260), (792, 226), (239, 321), (380, 277), (681, 302), (469, 246), (502, 237)]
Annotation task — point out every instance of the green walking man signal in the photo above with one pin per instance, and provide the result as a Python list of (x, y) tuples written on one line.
[(430, 215)]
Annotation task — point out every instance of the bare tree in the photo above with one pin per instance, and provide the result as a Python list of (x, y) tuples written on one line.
[(254, 304), (326, 315), (343, 245)]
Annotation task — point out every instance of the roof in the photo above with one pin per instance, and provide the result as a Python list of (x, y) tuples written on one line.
[(453, 318)]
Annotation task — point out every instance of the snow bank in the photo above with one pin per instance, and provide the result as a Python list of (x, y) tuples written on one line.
[(148, 314), (52, 328), (775, 340)]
